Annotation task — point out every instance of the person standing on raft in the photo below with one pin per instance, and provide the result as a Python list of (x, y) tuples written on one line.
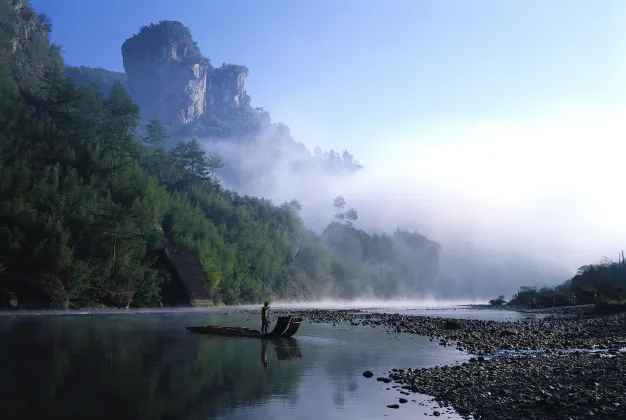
[(264, 318)]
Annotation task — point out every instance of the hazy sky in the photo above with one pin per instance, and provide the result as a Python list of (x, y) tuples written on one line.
[(511, 114)]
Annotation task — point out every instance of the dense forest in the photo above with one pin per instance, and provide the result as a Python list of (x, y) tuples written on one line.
[(87, 204)]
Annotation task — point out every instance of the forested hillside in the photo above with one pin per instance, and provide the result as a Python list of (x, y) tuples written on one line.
[(86, 205)]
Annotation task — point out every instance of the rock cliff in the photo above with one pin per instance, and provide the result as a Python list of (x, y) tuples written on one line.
[(167, 74), (228, 86), (24, 45), (172, 81)]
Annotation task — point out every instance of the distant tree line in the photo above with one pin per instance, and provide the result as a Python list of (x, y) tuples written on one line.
[(600, 283)]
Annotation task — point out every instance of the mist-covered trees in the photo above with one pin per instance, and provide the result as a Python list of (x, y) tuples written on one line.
[(349, 217), (597, 283)]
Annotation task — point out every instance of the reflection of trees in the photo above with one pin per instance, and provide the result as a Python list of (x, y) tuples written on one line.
[(87, 367)]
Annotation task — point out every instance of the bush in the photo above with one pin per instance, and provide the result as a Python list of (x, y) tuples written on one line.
[(499, 301)]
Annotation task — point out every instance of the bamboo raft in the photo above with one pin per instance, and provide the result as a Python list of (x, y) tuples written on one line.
[(286, 326)]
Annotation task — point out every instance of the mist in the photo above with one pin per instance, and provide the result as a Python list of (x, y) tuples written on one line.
[(370, 304), (546, 187)]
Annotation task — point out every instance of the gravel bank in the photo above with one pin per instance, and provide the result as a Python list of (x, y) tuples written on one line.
[(555, 386), (501, 384), (480, 337)]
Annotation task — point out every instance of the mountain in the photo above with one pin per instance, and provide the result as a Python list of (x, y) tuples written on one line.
[(173, 82)]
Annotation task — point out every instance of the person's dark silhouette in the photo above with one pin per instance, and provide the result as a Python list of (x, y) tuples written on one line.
[(264, 318)]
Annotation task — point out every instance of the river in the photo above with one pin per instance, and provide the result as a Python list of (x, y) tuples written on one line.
[(145, 365)]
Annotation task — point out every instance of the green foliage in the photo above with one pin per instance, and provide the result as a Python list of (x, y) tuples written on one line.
[(232, 70), (45, 22), (157, 133), (229, 122), (606, 278), (594, 283), (103, 79)]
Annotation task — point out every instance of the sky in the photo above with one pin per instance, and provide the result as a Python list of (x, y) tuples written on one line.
[(351, 73), (515, 108)]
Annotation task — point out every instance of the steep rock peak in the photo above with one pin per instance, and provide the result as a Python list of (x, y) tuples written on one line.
[(22, 23), (228, 86), (167, 74)]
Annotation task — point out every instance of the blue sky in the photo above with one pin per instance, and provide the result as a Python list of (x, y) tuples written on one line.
[(347, 73)]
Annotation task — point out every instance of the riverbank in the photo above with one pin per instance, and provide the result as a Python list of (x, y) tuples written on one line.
[(501, 383), (579, 385)]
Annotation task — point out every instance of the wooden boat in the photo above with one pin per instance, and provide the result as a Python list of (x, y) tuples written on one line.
[(286, 326)]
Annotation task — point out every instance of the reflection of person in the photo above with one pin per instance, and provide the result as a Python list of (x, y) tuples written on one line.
[(264, 318), (264, 353)]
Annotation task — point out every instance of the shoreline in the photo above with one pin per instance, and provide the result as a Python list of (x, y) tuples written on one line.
[(579, 372)]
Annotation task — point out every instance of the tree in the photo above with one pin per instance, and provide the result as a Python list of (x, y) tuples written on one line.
[(499, 301), (45, 22), (294, 206), (351, 217), (339, 203), (348, 159), (192, 162), (214, 163), (121, 116), (157, 133), (317, 152)]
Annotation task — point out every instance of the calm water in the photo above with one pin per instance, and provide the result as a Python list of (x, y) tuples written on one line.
[(112, 366)]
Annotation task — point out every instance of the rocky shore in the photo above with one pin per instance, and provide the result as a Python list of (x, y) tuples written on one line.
[(527, 369), (570, 386), (480, 337)]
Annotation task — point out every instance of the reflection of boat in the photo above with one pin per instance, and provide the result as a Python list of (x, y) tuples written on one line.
[(286, 349), (286, 326)]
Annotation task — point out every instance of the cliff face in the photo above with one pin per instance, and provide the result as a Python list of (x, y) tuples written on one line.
[(167, 74), (19, 24), (170, 79), (24, 47), (228, 86)]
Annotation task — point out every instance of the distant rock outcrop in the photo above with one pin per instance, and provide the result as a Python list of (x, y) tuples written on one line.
[(167, 74)]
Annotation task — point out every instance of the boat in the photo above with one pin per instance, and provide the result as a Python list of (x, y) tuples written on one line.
[(286, 326)]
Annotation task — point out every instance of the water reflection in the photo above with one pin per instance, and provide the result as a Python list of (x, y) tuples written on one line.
[(285, 349), (150, 367)]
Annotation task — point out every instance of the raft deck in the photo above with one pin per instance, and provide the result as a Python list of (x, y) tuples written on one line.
[(286, 326)]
